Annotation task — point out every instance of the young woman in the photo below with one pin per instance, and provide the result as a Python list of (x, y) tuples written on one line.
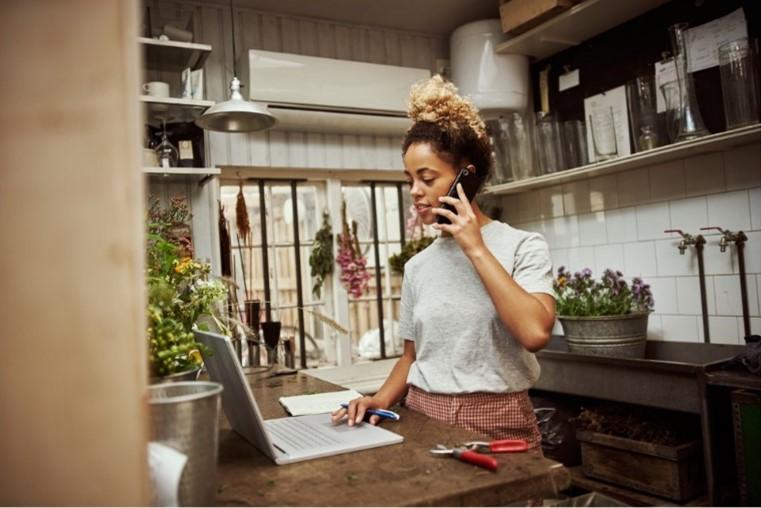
[(478, 301)]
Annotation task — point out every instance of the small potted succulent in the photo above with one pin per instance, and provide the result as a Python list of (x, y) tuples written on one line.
[(606, 316), (181, 295)]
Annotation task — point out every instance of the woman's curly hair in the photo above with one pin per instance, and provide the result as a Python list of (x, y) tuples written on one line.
[(450, 124)]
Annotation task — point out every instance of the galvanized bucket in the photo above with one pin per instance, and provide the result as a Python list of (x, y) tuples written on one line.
[(185, 416), (621, 336)]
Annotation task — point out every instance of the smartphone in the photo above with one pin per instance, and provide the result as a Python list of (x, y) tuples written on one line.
[(469, 185)]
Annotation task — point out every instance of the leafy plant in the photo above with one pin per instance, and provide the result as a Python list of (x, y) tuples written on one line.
[(579, 294), (180, 294), (321, 259)]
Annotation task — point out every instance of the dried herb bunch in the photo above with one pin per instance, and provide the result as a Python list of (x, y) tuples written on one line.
[(579, 294), (354, 275), (416, 243), (321, 258)]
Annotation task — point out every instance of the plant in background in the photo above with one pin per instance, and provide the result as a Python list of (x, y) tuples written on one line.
[(321, 258), (417, 242), (180, 294), (354, 275), (579, 294)]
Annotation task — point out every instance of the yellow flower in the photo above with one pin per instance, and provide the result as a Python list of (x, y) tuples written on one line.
[(561, 281), (183, 265), (196, 356)]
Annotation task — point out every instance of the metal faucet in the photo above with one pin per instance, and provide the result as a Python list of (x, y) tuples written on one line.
[(727, 236), (687, 239)]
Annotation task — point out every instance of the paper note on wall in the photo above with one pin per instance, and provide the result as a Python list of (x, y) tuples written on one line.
[(704, 40), (607, 122)]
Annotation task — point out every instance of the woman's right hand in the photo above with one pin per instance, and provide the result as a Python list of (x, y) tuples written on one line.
[(356, 411)]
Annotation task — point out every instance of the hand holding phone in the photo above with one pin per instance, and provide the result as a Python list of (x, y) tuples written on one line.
[(469, 184)]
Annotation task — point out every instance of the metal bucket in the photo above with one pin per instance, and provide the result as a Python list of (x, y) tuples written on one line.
[(621, 336), (185, 416)]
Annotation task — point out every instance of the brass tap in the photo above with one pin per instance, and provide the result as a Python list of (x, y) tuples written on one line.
[(727, 236), (687, 239)]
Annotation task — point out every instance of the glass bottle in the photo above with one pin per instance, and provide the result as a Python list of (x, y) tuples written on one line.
[(691, 124), (166, 151)]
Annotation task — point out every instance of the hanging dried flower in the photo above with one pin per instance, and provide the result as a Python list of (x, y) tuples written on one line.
[(225, 246), (354, 275)]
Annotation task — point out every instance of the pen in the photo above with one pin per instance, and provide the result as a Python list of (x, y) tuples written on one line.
[(383, 413)]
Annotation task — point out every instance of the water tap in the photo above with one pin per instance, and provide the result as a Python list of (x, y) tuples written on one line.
[(687, 239), (727, 236)]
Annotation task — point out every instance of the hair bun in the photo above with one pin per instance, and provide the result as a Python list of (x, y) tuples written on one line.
[(437, 101)]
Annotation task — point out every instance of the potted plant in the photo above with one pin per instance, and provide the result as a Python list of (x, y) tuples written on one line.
[(603, 317), (181, 294)]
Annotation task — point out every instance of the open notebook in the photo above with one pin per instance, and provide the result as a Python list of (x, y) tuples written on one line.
[(317, 403)]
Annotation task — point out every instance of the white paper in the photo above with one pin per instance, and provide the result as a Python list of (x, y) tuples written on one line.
[(613, 100), (318, 403), (665, 72), (165, 465), (196, 84), (568, 80), (704, 40)]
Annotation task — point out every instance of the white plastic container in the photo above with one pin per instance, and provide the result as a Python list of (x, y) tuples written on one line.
[(495, 83)]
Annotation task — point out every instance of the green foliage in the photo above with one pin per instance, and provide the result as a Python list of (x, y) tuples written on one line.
[(180, 294), (579, 294), (412, 247), (321, 258)]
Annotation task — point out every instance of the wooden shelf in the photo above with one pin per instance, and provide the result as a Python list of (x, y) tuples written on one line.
[(574, 26), (712, 143), (173, 55), (173, 109), (181, 172)]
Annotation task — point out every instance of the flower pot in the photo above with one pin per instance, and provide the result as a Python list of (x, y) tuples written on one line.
[(178, 377), (621, 336)]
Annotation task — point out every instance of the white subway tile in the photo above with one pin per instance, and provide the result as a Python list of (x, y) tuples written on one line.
[(559, 258), (729, 210), (671, 263), (704, 174), (639, 260), (752, 252), (592, 229), (652, 220), (724, 330), (755, 208), (664, 293), (654, 327), (609, 256), (717, 262), (576, 197), (528, 206), (689, 215), (603, 193), (680, 328), (633, 187), (621, 224), (552, 201), (742, 166), (532, 226), (688, 296), (728, 295), (581, 257), (565, 231), (667, 181)]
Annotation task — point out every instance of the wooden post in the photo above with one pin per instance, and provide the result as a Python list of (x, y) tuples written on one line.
[(73, 412)]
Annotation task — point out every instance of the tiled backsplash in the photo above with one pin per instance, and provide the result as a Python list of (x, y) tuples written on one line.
[(617, 221)]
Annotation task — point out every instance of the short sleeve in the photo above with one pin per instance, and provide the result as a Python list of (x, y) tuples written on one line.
[(532, 268), (406, 324)]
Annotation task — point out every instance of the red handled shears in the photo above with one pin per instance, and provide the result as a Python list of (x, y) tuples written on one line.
[(498, 446), (469, 456)]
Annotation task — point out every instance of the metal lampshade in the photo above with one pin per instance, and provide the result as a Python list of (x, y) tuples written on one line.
[(236, 114)]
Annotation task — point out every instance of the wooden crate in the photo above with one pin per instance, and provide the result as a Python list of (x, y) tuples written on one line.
[(520, 15), (673, 472)]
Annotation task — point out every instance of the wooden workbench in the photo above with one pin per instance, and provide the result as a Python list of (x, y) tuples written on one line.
[(397, 475)]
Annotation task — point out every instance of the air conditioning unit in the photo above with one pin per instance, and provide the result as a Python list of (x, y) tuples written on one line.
[(316, 94)]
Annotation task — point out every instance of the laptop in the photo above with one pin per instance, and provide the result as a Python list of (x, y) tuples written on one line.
[(284, 440)]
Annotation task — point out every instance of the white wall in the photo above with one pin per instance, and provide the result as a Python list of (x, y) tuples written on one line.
[(617, 221), (290, 34)]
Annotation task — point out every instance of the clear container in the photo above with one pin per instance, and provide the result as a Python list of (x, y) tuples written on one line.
[(643, 120), (739, 83), (672, 99), (548, 144), (603, 129), (575, 143), (691, 124)]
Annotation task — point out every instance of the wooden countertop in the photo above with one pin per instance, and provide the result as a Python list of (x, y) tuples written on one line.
[(396, 475)]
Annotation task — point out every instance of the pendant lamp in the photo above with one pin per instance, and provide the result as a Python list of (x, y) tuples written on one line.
[(236, 114)]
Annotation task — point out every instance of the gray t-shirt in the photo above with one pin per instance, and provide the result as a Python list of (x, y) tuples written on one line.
[(461, 345)]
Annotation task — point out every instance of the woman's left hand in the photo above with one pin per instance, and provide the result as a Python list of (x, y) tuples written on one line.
[(464, 227)]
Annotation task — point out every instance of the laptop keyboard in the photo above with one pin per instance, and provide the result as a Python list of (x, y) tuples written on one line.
[(299, 435)]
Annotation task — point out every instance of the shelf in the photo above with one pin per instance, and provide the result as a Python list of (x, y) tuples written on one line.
[(173, 56), (712, 143), (199, 173), (173, 109), (574, 26)]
